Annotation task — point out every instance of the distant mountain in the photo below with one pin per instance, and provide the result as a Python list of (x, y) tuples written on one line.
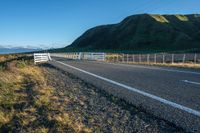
[(4, 50), (144, 32)]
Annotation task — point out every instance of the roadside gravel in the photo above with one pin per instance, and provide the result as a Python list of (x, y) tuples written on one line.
[(99, 111)]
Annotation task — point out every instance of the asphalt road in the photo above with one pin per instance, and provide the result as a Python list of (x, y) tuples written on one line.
[(168, 93)]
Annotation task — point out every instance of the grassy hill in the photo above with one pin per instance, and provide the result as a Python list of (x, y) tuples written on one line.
[(144, 32)]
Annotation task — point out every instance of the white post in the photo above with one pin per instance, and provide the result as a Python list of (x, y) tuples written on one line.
[(163, 58), (127, 58), (172, 58), (195, 58), (154, 58), (140, 58), (184, 58), (122, 57), (91, 56), (104, 57), (147, 58), (133, 58), (79, 55), (34, 58), (49, 56)]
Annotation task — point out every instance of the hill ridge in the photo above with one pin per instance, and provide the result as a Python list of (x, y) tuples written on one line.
[(143, 31)]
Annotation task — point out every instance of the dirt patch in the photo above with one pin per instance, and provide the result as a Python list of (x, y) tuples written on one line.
[(99, 111)]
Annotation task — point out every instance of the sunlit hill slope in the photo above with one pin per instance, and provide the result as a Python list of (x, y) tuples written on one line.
[(143, 32)]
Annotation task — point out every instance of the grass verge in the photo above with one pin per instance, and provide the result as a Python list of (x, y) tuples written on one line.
[(28, 104)]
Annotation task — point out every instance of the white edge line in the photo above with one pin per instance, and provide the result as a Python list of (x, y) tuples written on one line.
[(191, 82), (180, 71), (162, 100)]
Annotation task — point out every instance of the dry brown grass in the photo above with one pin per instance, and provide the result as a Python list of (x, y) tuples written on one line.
[(180, 65), (26, 98), (111, 57)]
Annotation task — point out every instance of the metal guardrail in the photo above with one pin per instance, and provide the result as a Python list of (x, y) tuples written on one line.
[(41, 57)]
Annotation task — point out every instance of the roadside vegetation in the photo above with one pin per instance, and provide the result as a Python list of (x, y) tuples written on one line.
[(177, 65), (186, 64), (27, 103)]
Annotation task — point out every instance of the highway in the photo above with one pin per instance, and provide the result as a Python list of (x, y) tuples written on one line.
[(172, 94)]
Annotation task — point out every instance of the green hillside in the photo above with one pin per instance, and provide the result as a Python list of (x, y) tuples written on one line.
[(143, 32)]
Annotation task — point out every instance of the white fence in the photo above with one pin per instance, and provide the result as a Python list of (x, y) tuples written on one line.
[(154, 58), (81, 56), (67, 55), (41, 57), (134, 58), (93, 56)]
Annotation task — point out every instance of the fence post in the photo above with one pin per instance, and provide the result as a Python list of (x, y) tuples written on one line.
[(147, 58), (34, 58), (184, 58), (154, 58), (139, 58), (172, 58), (195, 58), (163, 58), (49, 56)]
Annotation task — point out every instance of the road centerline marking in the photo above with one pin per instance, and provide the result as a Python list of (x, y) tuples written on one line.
[(157, 98), (191, 82)]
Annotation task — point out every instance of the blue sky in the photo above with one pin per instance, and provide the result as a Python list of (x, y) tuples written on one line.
[(57, 23)]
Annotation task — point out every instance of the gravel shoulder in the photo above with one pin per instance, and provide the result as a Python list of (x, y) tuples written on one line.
[(98, 110)]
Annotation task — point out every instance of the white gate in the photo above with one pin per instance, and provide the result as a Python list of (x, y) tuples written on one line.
[(41, 57)]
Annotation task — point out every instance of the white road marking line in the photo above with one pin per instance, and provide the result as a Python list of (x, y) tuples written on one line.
[(162, 100), (153, 68), (191, 82)]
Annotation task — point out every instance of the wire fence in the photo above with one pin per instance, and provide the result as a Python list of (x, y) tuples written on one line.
[(133, 58), (154, 58)]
